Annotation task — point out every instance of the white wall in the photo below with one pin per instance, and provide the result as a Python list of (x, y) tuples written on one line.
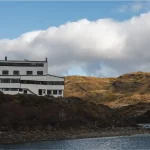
[(10, 77), (24, 69), (9, 85), (10, 92), (35, 88)]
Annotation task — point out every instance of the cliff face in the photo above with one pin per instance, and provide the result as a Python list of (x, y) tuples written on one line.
[(125, 90), (29, 111)]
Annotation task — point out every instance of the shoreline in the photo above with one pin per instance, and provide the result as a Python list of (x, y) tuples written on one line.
[(21, 137)]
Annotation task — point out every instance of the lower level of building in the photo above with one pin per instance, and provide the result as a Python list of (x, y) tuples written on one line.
[(38, 85), (40, 92)]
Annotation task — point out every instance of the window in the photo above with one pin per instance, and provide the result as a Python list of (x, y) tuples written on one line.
[(20, 90), (60, 92), (49, 92), (39, 72), (6, 89), (16, 72), (5, 72), (55, 82), (22, 64), (29, 72), (14, 80), (13, 89), (55, 92), (4, 80), (9, 80)]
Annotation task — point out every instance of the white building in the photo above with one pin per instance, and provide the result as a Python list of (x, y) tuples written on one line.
[(29, 77)]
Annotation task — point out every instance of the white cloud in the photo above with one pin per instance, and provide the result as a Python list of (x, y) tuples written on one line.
[(104, 47)]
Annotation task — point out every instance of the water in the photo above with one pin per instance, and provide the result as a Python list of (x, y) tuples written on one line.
[(136, 142)]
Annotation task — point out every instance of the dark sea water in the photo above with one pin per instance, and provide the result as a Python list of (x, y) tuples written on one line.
[(136, 142)]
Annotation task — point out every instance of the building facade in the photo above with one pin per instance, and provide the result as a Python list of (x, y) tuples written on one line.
[(29, 77)]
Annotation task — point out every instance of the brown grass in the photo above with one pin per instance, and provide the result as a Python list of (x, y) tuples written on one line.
[(127, 89)]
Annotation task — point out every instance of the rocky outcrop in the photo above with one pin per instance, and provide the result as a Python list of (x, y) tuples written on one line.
[(140, 113)]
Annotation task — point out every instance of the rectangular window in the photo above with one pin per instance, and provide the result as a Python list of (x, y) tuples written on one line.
[(14, 80), (55, 82), (29, 72), (9, 80), (39, 72), (55, 92), (60, 92), (49, 92), (5, 72), (13, 89), (5, 80), (6, 89), (16, 72), (20, 90)]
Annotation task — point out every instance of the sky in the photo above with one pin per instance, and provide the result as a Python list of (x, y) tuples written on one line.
[(100, 38)]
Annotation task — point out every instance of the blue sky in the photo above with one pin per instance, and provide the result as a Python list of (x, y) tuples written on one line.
[(74, 55), (20, 17)]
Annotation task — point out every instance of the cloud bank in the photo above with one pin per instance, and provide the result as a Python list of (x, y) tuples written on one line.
[(104, 47)]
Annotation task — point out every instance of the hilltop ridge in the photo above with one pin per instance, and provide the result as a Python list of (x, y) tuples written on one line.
[(127, 89)]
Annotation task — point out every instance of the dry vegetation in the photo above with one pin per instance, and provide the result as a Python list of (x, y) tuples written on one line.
[(29, 112), (125, 90)]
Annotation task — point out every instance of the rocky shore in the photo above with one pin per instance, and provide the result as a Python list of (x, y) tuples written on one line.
[(59, 134)]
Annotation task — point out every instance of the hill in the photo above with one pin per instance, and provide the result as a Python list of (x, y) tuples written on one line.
[(139, 113), (124, 90), (21, 112)]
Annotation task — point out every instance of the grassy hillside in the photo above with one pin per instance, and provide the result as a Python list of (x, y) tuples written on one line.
[(125, 90)]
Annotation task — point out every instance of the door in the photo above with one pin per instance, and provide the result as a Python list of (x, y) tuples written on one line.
[(25, 91), (40, 92)]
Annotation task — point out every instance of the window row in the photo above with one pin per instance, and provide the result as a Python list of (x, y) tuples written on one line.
[(54, 92), (9, 89), (16, 72), (42, 82), (22, 64), (41, 91), (3, 80), (9, 80), (49, 92)]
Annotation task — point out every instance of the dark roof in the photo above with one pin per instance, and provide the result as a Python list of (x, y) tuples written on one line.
[(34, 75), (55, 76), (18, 61)]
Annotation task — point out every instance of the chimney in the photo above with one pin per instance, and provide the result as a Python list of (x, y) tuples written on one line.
[(5, 58), (46, 59)]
